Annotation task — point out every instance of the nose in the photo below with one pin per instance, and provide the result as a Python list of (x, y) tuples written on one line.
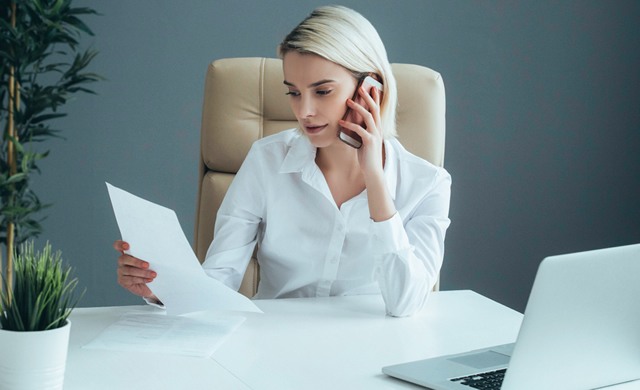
[(307, 107)]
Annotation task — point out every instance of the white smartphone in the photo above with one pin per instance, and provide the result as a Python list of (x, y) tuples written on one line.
[(348, 136)]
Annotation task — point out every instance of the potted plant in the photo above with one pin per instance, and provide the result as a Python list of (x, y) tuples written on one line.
[(40, 70), (34, 324)]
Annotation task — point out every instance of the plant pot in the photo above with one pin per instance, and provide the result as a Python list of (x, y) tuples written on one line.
[(33, 360)]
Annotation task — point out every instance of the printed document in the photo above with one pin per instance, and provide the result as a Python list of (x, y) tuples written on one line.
[(140, 331), (155, 236)]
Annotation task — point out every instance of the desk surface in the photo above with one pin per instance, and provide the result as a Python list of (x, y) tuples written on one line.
[(342, 343), (307, 343)]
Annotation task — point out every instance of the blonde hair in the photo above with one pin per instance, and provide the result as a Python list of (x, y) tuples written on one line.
[(343, 36)]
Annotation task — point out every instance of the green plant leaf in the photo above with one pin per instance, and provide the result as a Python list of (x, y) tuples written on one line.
[(56, 7), (42, 293), (16, 143), (16, 178), (46, 117), (82, 11), (78, 24), (44, 30)]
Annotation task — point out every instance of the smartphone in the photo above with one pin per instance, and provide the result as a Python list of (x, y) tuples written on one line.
[(348, 136)]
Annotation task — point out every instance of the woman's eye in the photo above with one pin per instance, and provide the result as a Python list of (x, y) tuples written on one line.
[(291, 93)]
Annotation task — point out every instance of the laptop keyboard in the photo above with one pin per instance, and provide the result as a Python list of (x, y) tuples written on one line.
[(485, 381)]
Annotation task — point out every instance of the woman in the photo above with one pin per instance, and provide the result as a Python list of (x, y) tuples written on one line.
[(329, 219)]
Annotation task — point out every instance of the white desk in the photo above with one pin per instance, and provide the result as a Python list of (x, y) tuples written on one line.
[(309, 343), (342, 343)]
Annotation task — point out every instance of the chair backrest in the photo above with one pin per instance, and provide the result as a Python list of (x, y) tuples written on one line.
[(244, 100)]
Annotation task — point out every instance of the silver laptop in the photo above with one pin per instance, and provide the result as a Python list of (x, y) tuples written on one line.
[(581, 330)]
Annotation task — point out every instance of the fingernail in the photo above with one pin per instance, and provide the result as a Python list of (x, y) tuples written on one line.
[(145, 265), (153, 274), (149, 280), (125, 246)]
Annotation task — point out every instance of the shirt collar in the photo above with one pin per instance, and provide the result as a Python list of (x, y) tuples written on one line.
[(302, 153), (299, 155)]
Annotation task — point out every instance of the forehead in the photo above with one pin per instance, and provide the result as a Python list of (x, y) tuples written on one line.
[(304, 69)]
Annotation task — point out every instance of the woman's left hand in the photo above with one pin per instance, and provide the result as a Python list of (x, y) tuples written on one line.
[(370, 155)]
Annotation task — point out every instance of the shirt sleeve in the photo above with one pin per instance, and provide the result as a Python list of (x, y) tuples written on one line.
[(407, 258), (153, 302), (237, 222)]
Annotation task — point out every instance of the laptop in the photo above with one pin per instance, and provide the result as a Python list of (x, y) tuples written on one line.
[(581, 330)]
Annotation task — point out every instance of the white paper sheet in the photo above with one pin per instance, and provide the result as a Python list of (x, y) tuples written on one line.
[(171, 335), (154, 235)]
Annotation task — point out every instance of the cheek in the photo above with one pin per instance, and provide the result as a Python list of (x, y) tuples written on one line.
[(338, 106), (294, 106)]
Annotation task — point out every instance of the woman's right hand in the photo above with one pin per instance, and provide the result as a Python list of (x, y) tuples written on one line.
[(133, 273)]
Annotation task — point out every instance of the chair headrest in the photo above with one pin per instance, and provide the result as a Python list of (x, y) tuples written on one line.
[(245, 100)]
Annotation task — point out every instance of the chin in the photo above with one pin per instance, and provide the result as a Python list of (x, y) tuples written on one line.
[(326, 138), (320, 143)]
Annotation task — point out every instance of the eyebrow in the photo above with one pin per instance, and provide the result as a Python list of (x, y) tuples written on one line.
[(311, 85)]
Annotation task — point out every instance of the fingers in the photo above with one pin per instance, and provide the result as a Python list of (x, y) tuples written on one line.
[(127, 281), (358, 108), (371, 130), (376, 95), (369, 119), (125, 260), (373, 104), (120, 245), (134, 279), (364, 134), (133, 271)]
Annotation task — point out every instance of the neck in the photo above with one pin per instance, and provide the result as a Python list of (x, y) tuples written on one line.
[(338, 157)]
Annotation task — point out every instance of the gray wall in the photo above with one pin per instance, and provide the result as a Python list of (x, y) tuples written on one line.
[(542, 125)]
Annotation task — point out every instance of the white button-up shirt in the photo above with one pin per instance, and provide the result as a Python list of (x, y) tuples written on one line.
[(307, 247)]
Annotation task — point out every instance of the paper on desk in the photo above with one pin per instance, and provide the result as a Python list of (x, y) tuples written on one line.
[(154, 235), (171, 335)]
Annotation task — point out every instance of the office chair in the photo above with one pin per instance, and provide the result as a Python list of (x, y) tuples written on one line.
[(244, 100)]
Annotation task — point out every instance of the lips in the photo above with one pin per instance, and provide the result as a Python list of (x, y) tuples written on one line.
[(314, 129)]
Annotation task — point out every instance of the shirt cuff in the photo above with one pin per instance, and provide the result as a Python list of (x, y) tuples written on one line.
[(389, 236), (153, 302)]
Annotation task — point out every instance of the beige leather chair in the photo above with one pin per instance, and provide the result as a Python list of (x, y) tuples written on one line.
[(244, 100)]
